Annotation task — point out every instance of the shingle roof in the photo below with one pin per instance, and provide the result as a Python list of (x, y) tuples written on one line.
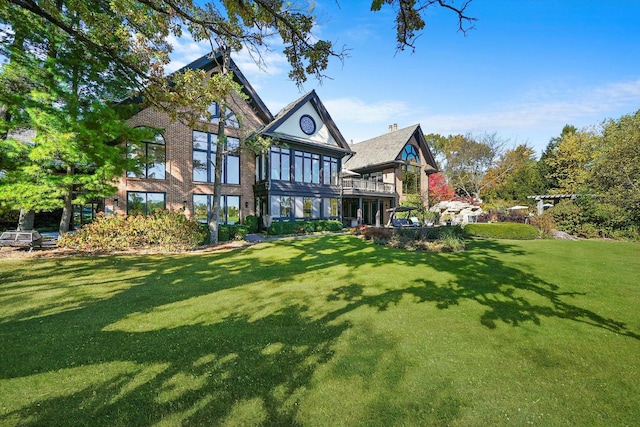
[(381, 149)]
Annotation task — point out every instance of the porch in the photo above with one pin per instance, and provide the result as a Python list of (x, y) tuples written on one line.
[(355, 186)]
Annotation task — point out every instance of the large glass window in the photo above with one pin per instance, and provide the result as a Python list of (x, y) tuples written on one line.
[(307, 167), (229, 208), (151, 158), (330, 207), (261, 167), (330, 171), (204, 157), (280, 164), (280, 206), (143, 203), (411, 170)]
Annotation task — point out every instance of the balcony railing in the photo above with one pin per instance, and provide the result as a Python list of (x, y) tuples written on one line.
[(365, 185)]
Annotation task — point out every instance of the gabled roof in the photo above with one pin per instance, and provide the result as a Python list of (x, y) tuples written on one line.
[(386, 150), (271, 129), (213, 60)]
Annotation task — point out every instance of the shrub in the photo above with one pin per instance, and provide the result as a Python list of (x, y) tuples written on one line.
[(303, 227), (503, 230), (251, 221), (567, 216), (165, 229), (440, 239), (544, 223)]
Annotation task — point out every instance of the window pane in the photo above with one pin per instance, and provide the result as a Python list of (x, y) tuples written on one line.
[(233, 209), (285, 167), (275, 206), (136, 152), (315, 169), (297, 167), (307, 168), (200, 208), (199, 140), (232, 143), (233, 170), (200, 165), (136, 203), (275, 164), (285, 206), (155, 161), (155, 202), (315, 208), (298, 203)]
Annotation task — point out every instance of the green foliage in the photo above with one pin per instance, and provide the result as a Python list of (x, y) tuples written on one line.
[(514, 176), (438, 239), (166, 230), (544, 224), (616, 172), (251, 221), (502, 230), (232, 232), (279, 228)]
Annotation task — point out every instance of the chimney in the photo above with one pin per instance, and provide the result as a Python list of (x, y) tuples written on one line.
[(395, 126), (390, 128)]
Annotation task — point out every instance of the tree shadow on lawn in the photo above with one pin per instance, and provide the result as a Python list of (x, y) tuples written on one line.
[(204, 370), (510, 295)]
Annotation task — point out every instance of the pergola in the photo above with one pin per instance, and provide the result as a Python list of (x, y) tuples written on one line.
[(555, 197)]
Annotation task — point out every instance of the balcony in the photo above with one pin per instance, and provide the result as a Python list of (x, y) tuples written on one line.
[(364, 186)]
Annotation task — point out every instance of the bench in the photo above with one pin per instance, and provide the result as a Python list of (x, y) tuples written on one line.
[(26, 238)]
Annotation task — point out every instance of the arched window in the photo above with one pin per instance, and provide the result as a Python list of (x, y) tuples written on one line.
[(150, 156), (411, 170), (214, 116)]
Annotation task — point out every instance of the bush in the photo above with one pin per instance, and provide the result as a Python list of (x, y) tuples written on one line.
[(440, 239), (567, 216), (167, 230), (544, 223), (279, 228), (502, 230), (251, 221)]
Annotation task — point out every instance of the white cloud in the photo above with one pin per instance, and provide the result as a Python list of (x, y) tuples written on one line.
[(185, 51), (360, 111)]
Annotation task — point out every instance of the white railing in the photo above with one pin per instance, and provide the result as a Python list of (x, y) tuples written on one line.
[(367, 185)]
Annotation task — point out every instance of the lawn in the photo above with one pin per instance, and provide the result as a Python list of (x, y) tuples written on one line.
[(325, 331)]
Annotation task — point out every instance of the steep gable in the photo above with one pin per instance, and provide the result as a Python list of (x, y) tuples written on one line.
[(387, 149), (306, 121)]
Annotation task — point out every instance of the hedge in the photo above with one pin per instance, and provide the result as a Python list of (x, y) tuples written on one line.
[(303, 227), (502, 230)]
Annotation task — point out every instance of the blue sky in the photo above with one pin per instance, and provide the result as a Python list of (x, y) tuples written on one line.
[(528, 68)]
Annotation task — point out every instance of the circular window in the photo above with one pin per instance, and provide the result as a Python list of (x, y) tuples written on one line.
[(307, 124)]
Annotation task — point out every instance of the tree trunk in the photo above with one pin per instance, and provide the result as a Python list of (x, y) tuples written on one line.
[(67, 209), (220, 147), (26, 221)]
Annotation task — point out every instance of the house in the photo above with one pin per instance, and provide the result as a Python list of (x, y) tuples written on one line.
[(384, 171), (298, 178), (302, 175)]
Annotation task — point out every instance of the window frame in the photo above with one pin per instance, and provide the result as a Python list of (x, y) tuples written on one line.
[(159, 141), (146, 202)]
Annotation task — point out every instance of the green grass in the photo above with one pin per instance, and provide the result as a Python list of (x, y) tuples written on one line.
[(325, 331)]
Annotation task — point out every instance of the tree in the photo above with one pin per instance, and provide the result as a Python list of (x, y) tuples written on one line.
[(570, 162), (103, 48), (549, 181), (409, 17), (514, 176), (466, 159), (439, 189), (54, 88), (616, 170)]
